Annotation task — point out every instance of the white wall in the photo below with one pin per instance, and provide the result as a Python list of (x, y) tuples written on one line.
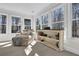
[(9, 35)]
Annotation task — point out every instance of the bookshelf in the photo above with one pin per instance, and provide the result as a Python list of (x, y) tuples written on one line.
[(53, 39)]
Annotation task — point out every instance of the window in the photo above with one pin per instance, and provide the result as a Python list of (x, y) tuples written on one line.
[(27, 23), (75, 10), (44, 21), (57, 16), (37, 24), (75, 19), (16, 24), (2, 23)]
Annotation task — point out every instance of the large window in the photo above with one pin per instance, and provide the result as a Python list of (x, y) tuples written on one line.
[(2, 23), (57, 16), (27, 23), (37, 24), (16, 24), (44, 21), (75, 19)]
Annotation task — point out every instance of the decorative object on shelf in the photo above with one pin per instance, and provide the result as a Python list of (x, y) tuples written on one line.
[(57, 36), (42, 33), (42, 40), (57, 44), (47, 28)]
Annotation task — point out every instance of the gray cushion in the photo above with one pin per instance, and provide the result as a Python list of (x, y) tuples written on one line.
[(16, 40)]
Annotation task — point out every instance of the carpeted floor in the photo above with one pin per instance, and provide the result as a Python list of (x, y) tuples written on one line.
[(12, 51), (43, 50), (6, 49)]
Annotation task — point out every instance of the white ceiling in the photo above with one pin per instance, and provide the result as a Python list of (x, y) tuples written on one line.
[(24, 8)]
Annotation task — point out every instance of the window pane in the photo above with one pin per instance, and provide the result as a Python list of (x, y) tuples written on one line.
[(44, 26), (44, 19), (57, 14), (3, 28), (27, 21), (58, 26), (0, 28), (75, 10), (37, 24), (37, 21), (16, 29), (16, 21), (75, 28), (27, 27), (75, 19), (0, 20), (16, 24), (2, 24), (37, 27), (3, 19), (60, 14)]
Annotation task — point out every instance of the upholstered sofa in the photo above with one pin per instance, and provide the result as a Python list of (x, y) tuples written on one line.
[(22, 38)]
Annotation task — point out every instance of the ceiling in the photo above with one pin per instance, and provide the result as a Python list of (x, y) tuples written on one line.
[(24, 8)]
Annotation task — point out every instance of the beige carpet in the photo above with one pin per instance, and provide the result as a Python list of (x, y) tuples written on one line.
[(6, 49)]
